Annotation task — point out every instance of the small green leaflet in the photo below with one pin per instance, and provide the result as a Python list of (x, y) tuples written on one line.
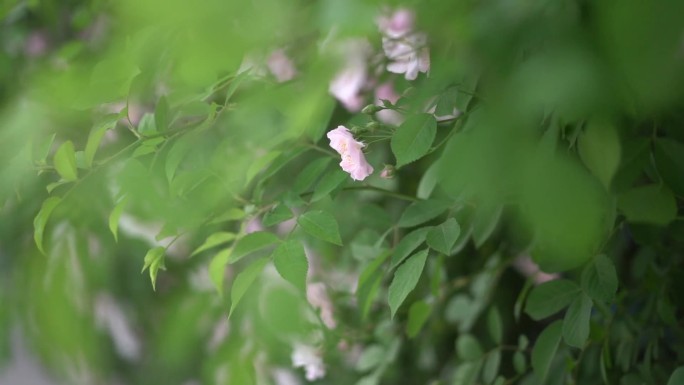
[(215, 239), (114, 218), (599, 148), (408, 243), (519, 362), (576, 321), (443, 237), (405, 280), (485, 221), (419, 312), (277, 214), (677, 377), (652, 204), (368, 283), (491, 366), (669, 159), (422, 211), (599, 279), (41, 219), (175, 156), (468, 348), (550, 297), (467, 372), (217, 268), (371, 357), (494, 325), (162, 115), (544, 350), (154, 260), (291, 263), (65, 161), (250, 243), (94, 139), (328, 183), (322, 225), (244, 280), (310, 174), (413, 138)]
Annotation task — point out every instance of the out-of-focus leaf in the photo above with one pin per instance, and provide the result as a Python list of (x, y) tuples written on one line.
[(407, 244), (405, 279), (422, 211), (114, 218), (215, 239), (576, 321), (428, 182), (65, 161), (252, 242), (494, 325), (41, 220), (599, 148), (243, 281), (291, 263), (371, 357), (669, 158), (599, 279), (468, 347), (154, 260), (217, 269), (328, 183), (94, 139), (648, 204), (485, 222), (413, 138), (321, 225), (551, 297), (277, 214), (310, 174), (491, 366), (419, 312), (369, 281), (162, 114), (677, 376), (544, 350), (443, 237)]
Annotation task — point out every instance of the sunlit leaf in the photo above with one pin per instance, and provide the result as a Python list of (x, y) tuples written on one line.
[(154, 260), (41, 220), (114, 218), (215, 239), (65, 161)]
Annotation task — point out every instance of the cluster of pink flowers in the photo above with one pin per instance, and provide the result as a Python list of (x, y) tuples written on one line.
[(353, 160), (406, 49)]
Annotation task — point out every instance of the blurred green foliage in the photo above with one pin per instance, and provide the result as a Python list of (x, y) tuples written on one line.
[(158, 136)]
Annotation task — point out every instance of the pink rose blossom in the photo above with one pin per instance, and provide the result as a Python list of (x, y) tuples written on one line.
[(353, 160), (348, 83), (281, 66)]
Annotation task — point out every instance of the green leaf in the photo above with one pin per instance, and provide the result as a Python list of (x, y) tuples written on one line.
[(419, 312), (259, 163), (422, 211), (443, 237), (491, 366), (277, 214), (41, 220), (405, 280), (213, 240), (154, 260), (468, 347), (244, 280), (544, 350), (161, 114), (486, 219), (413, 138), (217, 269), (428, 182), (252, 242), (408, 243), (519, 362), (94, 139), (368, 284), (677, 377), (310, 174), (576, 321), (65, 161), (669, 159), (175, 156), (232, 214), (371, 357), (114, 218), (291, 263), (466, 373), (321, 225), (599, 279), (648, 204), (328, 183), (550, 297), (494, 325), (599, 148)]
